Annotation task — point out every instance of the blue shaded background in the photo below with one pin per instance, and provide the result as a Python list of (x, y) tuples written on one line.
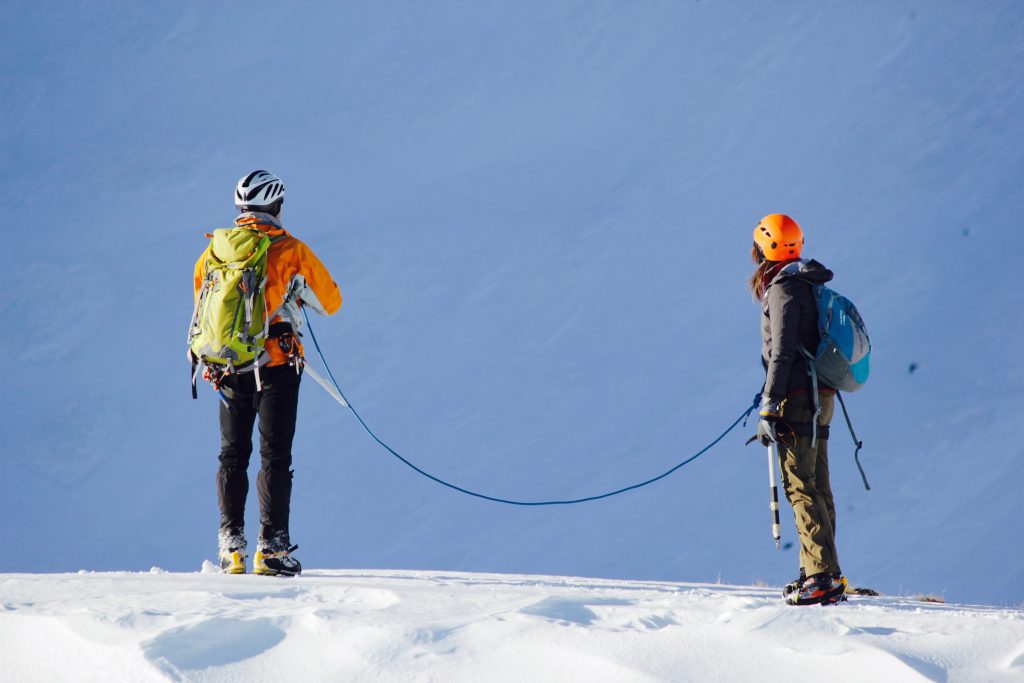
[(539, 215)]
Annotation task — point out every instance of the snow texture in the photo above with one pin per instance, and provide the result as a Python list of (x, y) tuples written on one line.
[(424, 626), (540, 217)]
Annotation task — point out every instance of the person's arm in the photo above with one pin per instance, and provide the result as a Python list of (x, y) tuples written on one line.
[(199, 273), (318, 291), (784, 321)]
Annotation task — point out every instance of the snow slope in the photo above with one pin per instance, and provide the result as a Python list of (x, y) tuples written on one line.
[(427, 626), (540, 217)]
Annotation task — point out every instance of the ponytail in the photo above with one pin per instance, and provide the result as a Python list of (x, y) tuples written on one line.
[(756, 282)]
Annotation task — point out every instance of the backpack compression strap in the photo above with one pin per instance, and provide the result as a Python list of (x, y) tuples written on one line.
[(814, 392)]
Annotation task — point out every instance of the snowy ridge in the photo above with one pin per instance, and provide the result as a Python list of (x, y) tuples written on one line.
[(334, 625)]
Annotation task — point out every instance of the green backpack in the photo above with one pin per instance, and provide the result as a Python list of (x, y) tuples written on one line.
[(229, 324)]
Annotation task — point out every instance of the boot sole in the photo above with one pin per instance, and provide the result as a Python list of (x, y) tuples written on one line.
[(268, 572), (830, 598)]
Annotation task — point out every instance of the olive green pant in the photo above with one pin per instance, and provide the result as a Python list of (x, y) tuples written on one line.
[(806, 482)]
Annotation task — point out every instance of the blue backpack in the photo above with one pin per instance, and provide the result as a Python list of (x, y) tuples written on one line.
[(843, 357)]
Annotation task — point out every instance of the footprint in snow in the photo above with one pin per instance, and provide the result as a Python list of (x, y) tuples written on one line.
[(214, 642), (572, 610)]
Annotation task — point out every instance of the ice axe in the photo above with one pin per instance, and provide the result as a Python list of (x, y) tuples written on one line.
[(773, 456)]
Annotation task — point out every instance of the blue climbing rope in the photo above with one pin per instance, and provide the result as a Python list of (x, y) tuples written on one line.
[(506, 501)]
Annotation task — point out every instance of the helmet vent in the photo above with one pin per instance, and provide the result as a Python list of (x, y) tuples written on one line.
[(779, 237), (258, 189)]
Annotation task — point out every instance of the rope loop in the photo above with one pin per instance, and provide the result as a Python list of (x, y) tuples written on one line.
[(574, 501)]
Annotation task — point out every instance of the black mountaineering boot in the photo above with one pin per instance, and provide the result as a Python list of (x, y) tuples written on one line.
[(819, 589), (273, 557), (795, 584)]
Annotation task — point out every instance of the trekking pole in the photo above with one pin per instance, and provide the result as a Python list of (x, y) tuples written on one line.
[(773, 454)]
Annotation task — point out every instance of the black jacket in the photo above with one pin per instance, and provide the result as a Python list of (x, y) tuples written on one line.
[(789, 320)]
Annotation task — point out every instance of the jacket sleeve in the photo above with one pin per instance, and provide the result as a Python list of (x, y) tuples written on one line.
[(199, 274), (319, 291), (784, 323)]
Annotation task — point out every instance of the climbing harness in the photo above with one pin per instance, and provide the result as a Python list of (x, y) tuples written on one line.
[(335, 391)]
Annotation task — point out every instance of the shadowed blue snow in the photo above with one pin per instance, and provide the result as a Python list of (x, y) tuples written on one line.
[(539, 215), (210, 643), (570, 610)]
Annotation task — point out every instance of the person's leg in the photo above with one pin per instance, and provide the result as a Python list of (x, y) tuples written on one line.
[(236, 422), (799, 479), (821, 470), (278, 409)]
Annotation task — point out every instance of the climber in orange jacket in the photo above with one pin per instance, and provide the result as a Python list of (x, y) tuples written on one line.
[(295, 277)]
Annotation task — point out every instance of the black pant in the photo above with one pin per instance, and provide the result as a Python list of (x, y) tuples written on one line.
[(277, 406)]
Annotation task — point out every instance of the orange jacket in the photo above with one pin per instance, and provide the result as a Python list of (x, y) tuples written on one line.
[(291, 267)]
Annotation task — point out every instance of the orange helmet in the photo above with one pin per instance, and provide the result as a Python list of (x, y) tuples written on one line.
[(779, 237)]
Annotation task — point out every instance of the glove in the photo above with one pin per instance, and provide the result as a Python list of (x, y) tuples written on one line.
[(771, 410), (771, 413)]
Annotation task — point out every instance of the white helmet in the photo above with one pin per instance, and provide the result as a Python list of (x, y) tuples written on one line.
[(258, 190)]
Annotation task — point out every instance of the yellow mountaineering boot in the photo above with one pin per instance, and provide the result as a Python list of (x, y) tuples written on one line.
[(273, 557), (232, 552), (232, 562)]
